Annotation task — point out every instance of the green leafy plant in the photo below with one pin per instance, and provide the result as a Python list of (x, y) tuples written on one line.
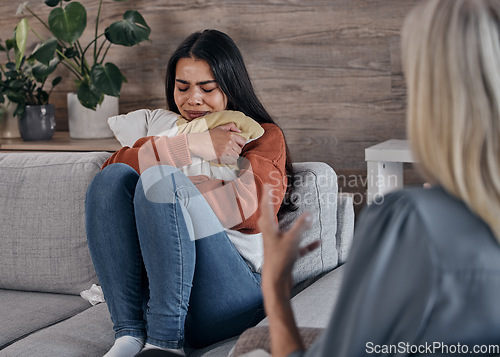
[(93, 77), (22, 79)]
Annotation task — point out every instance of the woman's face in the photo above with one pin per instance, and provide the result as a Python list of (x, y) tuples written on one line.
[(196, 93)]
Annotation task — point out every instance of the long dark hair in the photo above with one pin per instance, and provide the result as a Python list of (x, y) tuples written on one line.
[(230, 73)]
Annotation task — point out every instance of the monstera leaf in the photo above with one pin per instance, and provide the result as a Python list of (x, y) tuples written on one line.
[(69, 23), (130, 31), (46, 52), (89, 96), (41, 71), (108, 79)]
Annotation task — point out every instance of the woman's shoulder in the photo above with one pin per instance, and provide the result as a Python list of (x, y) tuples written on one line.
[(273, 134), (413, 200), (400, 216), (272, 139), (438, 219), (270, 146), (270, 126), (433, 206)]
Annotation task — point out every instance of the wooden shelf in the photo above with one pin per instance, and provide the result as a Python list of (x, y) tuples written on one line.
[(61, 141)]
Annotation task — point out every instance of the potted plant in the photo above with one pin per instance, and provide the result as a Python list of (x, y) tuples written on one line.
[(9, 127), (22, 82), (94, 79)]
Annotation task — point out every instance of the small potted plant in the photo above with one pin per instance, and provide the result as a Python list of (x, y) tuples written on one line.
[(94, 79), (9, 127), (22, 82)]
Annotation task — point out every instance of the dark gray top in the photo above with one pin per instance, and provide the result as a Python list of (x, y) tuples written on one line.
[(423, 270)]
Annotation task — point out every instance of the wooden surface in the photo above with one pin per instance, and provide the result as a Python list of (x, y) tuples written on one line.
[(328, 70), (60, 142)]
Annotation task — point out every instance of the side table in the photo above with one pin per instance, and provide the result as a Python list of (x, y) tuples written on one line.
[(384, 164)]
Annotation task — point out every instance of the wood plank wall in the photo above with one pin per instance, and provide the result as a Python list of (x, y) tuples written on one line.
[(327, 70)]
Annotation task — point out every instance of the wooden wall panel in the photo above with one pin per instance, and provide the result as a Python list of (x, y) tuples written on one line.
[(328, 70)]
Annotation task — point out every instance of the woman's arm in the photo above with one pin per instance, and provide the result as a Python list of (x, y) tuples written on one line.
[(388, 290), (153, 150), (281, 249), (221, 142), (236, 202)]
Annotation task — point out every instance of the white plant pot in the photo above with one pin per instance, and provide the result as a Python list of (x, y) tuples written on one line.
[(86, 123), (9, 124)]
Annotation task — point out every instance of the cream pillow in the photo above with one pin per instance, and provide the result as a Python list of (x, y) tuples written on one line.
[(128, 128)]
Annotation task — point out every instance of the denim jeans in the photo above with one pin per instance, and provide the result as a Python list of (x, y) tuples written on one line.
[(168, 271)]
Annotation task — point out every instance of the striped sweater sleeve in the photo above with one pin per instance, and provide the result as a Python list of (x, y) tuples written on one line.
[(153, 150)]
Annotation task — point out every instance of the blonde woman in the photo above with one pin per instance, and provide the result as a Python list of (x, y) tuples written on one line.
[(424, 272)]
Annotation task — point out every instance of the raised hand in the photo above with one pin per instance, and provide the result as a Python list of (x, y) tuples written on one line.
[(281, 249)]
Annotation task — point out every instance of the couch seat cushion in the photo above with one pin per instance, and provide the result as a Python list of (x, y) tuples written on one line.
[(87, 334), (25, 312)]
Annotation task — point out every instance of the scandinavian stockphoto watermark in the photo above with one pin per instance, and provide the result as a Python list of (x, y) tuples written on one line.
[(432, 348), (354, 185), (236, 185)]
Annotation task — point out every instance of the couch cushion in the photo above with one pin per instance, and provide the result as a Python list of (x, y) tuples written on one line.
[(87, 334), (315, 191), (43, 246), (313, 307), (25, 312)]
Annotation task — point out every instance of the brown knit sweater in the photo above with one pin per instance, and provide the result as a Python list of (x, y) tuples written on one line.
[(265, 157)]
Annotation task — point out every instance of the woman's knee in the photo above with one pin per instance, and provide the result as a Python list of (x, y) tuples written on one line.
[(163, 183), (113, 180)]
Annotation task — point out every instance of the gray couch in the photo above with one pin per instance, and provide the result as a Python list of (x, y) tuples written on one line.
[(45, 263)]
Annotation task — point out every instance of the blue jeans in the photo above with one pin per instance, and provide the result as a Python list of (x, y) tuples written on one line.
[(168, 271)]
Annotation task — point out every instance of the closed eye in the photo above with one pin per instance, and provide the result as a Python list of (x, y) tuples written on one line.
[(207, 90)]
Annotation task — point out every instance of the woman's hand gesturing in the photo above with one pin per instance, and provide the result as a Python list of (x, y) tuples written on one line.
[(221, 144), (281, 248)]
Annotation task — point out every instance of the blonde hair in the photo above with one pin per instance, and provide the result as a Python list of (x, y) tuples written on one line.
[(451, 60)]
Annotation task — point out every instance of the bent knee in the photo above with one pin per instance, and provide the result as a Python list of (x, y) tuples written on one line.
[(162, 183), (113, 179)]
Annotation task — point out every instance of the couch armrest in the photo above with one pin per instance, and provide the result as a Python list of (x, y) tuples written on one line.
[(345, 226), (315, 191)]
